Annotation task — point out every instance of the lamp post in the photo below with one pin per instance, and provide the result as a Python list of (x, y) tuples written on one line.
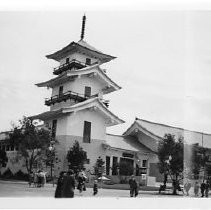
[(51, 150)]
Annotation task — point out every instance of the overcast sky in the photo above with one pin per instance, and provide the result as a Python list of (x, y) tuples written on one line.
[(163, 63)]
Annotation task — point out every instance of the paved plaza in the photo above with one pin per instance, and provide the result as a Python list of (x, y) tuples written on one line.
[(14, 194), (21, 189)]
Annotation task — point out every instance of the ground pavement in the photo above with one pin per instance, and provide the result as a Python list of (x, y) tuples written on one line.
[(21, 189)]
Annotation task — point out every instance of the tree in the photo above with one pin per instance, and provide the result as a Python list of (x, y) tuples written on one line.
[(3, 158), (99, 167), (31, 142), (196, 160), (170, 155), (76, 157)]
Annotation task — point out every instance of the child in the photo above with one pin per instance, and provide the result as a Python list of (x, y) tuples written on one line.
[(95, 188)]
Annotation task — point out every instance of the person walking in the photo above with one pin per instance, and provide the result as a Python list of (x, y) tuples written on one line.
[(202, 188), (39, 179), (187, 187), (35, 179), (68, 185), (207, 188), (196, 189), (31, 178), (80, 182), (133, 186), (43, 178), (95, 188), (60, 182)]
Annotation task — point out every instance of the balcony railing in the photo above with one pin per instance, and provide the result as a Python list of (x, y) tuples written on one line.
[(65, 96), (69, 65), (71, 95)]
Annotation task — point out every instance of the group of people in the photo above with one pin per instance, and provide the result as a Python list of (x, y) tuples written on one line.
[(37, 179), (204, 187), (66, 184)]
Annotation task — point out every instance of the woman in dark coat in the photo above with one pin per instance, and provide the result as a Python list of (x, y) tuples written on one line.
[(58, 192), (68, 185)]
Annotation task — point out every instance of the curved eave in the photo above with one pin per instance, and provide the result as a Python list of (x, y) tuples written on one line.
[(112, 86), (73, 47), (48, 115), (97, 105), (114, 119), (56, 81), (109, 80)]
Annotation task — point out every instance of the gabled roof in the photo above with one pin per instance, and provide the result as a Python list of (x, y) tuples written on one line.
[(93, 69), (158, 130), (93, 103), (126, 143), (81, 46)]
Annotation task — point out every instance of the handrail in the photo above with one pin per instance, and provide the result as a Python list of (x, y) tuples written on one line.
[(65, 94), (67, 64)]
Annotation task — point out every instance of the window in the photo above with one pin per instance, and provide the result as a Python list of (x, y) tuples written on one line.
[(12, 147), (67, 60), (87, 132), (88, 61), (54, 124), (144, 163), (87, 91), (60, 90), (107, 165), (3, 147), (114, 166)]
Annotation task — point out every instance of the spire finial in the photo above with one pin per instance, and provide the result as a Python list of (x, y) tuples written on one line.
[(83, 26)]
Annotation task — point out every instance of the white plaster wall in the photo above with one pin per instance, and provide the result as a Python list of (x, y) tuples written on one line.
[(61, 126), (79, 57), (78, 86), (62, 104), (93, 150), (80, 83), (75, 124)]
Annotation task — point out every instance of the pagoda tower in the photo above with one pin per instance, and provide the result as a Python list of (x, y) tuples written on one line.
[(78, 111)]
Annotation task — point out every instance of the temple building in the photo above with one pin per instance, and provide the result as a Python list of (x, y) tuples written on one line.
[(78, 112)]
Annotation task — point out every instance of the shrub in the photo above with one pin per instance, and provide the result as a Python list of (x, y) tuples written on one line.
[(123, 181), (7, 174), (21, 176)]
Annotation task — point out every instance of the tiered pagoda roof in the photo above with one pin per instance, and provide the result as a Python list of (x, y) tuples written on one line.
[(94, 104), (93, 70), (81, 47)]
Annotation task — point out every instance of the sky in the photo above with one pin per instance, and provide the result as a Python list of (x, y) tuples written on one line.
[(163, 63)]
